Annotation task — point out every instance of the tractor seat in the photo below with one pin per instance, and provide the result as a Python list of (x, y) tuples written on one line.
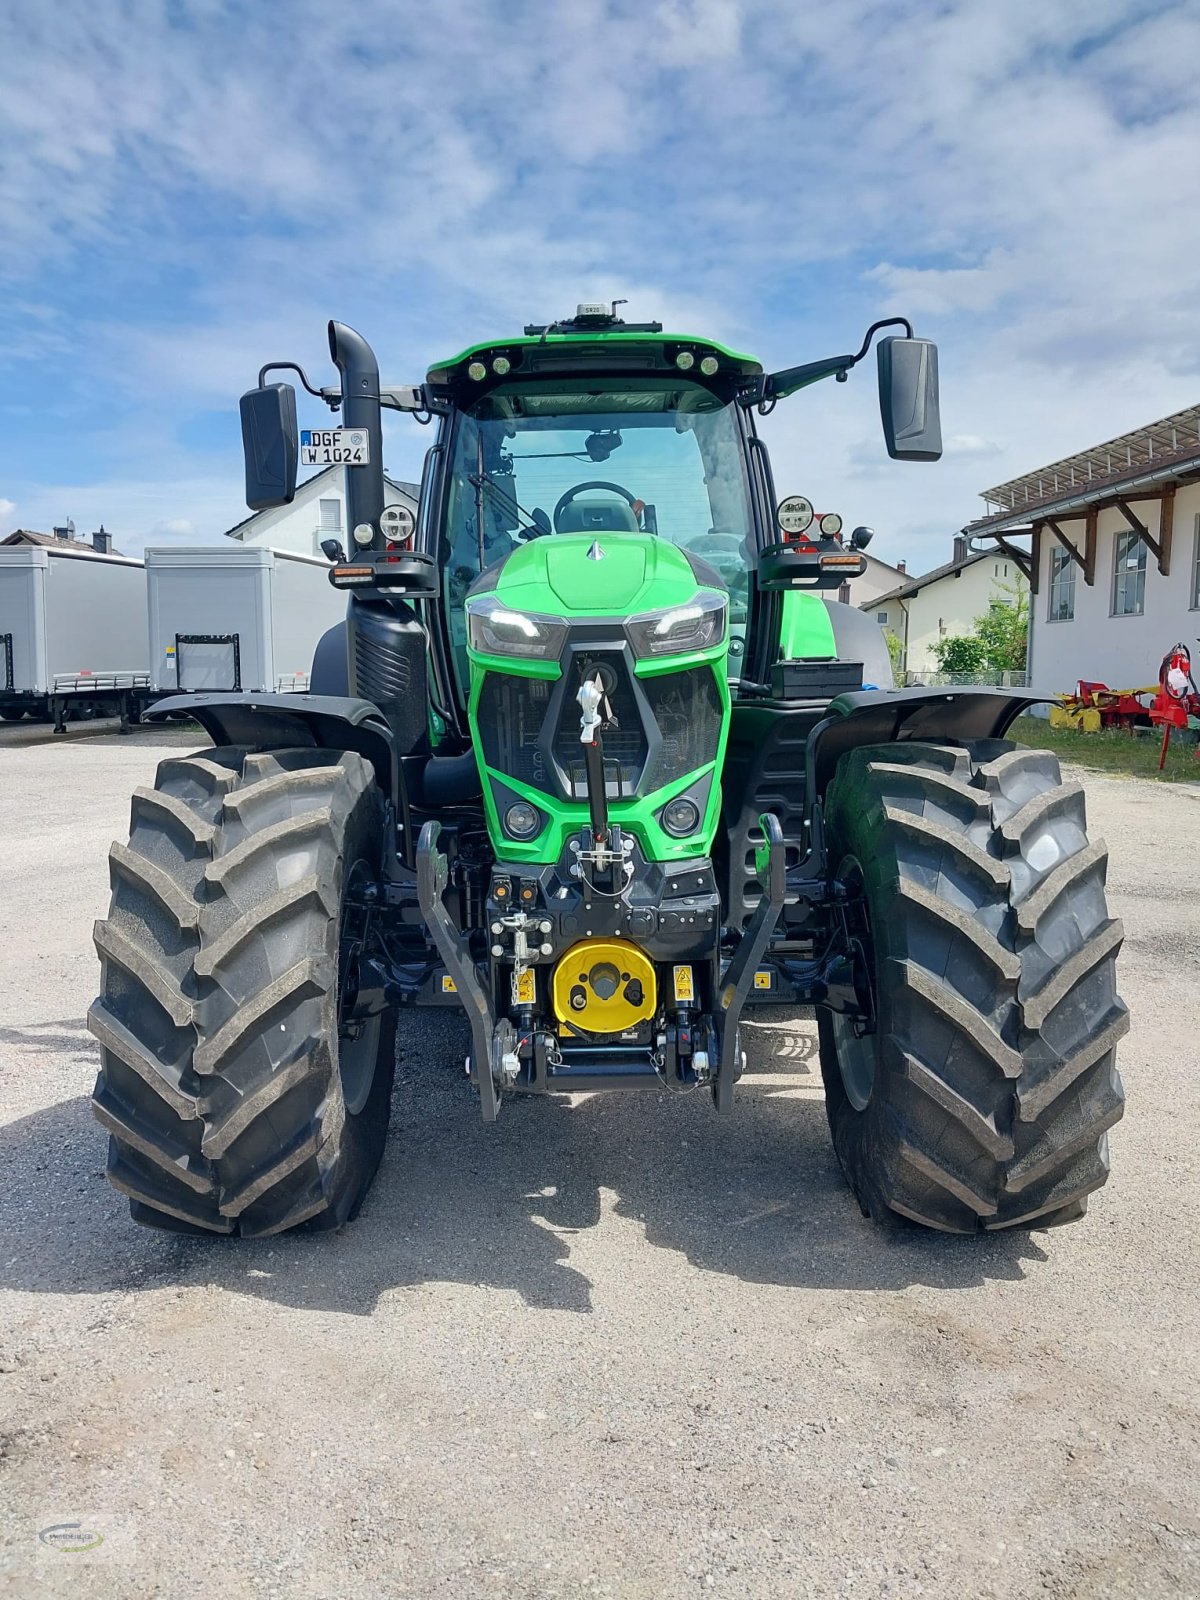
[(597, 516)]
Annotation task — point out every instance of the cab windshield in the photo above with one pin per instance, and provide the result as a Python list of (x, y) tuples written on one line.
[(656, 456)]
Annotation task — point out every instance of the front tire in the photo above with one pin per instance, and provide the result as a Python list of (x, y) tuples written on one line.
[(983, 1097), (234, 1101)]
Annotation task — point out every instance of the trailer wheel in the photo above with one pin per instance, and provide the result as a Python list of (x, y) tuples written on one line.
[(238, 1097), (983, 1097), (11, 714)]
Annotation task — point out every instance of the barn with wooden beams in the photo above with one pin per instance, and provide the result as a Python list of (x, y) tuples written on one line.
[(1110, 540)]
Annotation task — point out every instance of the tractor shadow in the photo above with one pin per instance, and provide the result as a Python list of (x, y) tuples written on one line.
[(757, 1196)]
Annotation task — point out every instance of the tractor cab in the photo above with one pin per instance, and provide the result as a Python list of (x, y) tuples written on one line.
[(592, 426), (601, 431)]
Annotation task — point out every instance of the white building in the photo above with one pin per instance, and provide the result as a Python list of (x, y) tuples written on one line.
[(318, 512), (879, 578), (945, 602), (1115, 554)]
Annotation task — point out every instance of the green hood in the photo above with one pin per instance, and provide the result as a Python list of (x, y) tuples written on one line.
[(624, 574)]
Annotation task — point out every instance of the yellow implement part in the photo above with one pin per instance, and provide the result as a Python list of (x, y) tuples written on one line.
[(604, 986)]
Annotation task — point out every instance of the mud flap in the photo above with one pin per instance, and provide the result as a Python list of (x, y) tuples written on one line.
[(770, 864), (432, 873)]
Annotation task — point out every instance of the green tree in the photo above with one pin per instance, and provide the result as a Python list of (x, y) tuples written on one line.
[(895, 647), (961, 653), (998, 639), (1003, 629)]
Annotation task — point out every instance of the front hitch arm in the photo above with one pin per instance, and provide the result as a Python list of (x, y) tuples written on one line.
[(432, 874), (771, 865)]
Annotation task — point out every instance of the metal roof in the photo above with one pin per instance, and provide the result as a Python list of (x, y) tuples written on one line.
[(1152, 452), (911, 586), (51, 541)]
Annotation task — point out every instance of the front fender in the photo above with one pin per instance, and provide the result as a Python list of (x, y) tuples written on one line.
[(867, 717), (277, 721)]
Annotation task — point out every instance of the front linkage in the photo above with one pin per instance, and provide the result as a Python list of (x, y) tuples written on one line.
[(695, 1047), (605, 970)]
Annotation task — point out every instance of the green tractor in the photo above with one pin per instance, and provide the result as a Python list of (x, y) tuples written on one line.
[(597, 757)]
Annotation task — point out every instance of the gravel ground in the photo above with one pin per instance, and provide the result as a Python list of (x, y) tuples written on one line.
[(609, 1347)]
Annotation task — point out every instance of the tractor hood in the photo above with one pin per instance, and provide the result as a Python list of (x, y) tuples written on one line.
[(600, 575)]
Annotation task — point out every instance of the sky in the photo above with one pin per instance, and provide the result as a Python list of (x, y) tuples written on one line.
[(190, 188)]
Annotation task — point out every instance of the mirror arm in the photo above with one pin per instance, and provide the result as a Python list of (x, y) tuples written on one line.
[(290, 366), (887, 322), (778, 385), (774, 386)]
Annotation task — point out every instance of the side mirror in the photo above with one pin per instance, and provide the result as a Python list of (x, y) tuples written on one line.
[(908, 399), (861, 538), (271, 445), (332, 550)]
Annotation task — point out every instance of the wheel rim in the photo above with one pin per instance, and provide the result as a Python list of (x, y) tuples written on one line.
[(856, 1057), (856, 1061), (358, 1038)]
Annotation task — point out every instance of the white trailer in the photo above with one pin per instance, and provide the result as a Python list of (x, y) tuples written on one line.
[(237, 618), (72, 632)]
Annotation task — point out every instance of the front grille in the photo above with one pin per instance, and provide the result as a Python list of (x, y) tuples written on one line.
[(686, 709), (625, 746), (666, 727), (510, 716)]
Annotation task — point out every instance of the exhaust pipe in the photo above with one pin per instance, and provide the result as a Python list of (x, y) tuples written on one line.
[(356, 362)]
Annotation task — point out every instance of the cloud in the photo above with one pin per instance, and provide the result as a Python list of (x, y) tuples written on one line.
[(7, 507), (942, 291), (970, 444), (183, 199)]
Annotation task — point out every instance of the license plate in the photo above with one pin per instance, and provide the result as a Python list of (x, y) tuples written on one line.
[(335, 447)]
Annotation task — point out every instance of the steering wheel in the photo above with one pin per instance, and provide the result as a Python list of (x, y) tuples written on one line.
[(592, 483), (718, 544)]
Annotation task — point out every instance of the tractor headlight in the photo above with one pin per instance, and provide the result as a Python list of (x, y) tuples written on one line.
[(521, 820), (680, 817), (495, 629), (696, 626)]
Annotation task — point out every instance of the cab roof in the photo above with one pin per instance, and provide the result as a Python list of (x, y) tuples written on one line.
[(612, 350)]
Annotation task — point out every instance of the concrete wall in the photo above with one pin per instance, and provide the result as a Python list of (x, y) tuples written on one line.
[(1123, 652)]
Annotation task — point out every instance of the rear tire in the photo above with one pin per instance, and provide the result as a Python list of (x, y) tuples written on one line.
[(984, 1096), (232, 1103)]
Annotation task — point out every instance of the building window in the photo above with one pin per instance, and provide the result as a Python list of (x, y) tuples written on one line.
[(1062, 585), (1129, 575), (1195, 600), (881, 617), (331, 516)]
